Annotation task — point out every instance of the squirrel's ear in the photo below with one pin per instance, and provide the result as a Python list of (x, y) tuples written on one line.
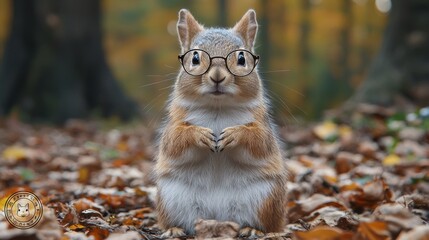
[(247, 28), (187, 28)]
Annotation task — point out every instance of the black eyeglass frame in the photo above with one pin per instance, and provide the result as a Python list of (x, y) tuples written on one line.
[(255, 60)]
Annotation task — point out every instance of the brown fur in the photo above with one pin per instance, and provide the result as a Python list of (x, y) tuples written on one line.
[(162, 213), (272, 213), (180, 135)]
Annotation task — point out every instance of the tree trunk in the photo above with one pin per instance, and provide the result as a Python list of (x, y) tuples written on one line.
[(222, 13), (304, 44), (344, 77), (54, 67), (401, 69)]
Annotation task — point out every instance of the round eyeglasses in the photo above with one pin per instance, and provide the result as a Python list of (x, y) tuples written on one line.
[(239, 62)]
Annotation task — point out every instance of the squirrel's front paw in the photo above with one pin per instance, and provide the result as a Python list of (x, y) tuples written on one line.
[(250, 233), (227, 138), (173, 232), (205, 138)]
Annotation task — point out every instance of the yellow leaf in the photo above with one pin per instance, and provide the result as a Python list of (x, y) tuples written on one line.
[(391, 160), (3, 202), (122, 146), (14, 153), (83, 175), (77, 226), (345, 132), (8, 192), (326, 130), (330, 179)]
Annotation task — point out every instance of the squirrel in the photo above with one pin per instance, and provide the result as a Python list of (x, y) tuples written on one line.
[(219, 156)]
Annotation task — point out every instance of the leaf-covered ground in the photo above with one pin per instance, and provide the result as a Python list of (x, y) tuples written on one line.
[(365, 179)]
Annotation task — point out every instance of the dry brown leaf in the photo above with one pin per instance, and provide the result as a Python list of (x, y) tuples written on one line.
[(397, 217), (85, 203), (75, 235), (98, 233), (345, 161), (417, 203), (303, 208), (96, 222), (368, 149), (130, 235), (87, 213), (70, 217), (140, 213), (373, 231), (10, 191), (332, 217), (47, 228), (132, 222), (417, 233), (324, 233), (371, 195), (113, 201)]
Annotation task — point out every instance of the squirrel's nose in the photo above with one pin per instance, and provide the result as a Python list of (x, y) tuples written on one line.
[(217, 74), (217, 80)]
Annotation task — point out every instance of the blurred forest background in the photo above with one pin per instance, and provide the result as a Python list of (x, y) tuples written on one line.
[(314, 53)]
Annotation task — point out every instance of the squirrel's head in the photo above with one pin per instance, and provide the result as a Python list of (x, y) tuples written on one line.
[(218, 65)]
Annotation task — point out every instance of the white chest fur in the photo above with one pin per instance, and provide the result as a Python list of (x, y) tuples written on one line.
[(217, 120), (214, 186)]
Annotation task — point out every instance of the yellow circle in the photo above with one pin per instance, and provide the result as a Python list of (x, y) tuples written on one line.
[(23, 210)]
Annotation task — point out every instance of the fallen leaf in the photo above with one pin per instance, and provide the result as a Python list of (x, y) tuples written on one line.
[(47, 228), (324, 233), (326, 131), (373, 231), (371, 194), (391, 159), (10, 191), (14, 153), (132, 222), (417, 233), (303, 208), (96, 222), (345, 161), (367, 149), (397, 217), (130, 235), (77, 227), (85, 203), (98, 233)]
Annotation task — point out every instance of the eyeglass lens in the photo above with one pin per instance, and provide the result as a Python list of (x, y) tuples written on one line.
[(238, 62)]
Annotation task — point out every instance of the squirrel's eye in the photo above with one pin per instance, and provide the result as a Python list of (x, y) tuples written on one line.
[(241, 59), (196, 59)]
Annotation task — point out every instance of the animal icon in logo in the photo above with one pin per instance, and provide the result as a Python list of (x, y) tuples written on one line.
[(23, 210)]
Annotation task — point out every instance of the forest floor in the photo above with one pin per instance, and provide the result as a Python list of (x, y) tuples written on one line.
[(364, 179)]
